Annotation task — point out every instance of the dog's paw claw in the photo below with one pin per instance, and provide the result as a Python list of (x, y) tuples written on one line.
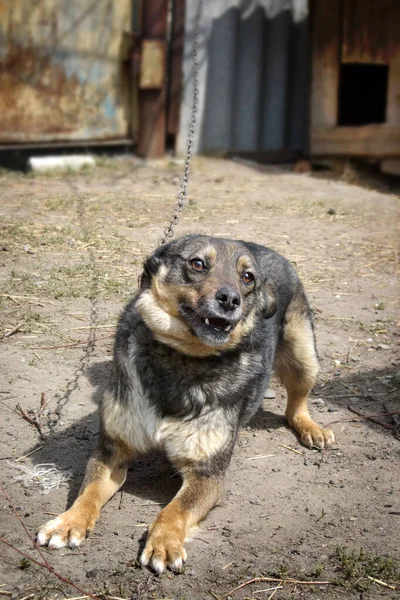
[(65, 530), (160, 553), (317, 437)]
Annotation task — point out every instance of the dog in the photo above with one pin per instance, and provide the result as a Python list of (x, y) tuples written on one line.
[(193, 355)]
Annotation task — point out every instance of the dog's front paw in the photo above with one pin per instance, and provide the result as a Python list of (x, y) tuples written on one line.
[(315, 436), (163, 549), (68, 529)]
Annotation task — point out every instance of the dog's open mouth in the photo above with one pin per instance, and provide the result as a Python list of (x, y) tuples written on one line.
[(218, 324), (211, 329)]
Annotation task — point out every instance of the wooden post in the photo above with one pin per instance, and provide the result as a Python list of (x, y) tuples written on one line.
[(325, 20), (175, 85), (152, 102)]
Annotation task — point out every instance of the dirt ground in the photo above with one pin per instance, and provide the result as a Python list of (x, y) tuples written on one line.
[(70, 251)]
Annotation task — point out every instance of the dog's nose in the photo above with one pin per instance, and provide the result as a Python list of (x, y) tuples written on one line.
[(228, 298)]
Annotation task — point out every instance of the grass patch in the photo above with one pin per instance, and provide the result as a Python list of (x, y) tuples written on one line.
[(86, 281), (80, 281), (60, 203), (32, 321), (357, 566), (21, 233)]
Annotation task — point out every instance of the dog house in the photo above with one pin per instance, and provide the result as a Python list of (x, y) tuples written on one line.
[(355, 90)]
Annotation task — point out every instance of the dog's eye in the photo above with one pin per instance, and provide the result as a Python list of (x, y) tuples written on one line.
[(198, 264), (247, 277)]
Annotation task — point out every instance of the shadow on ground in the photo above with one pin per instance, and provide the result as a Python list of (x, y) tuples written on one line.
[(154, 479)]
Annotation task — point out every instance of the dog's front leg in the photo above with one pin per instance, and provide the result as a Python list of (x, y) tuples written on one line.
[(105, 474), (165, 543)]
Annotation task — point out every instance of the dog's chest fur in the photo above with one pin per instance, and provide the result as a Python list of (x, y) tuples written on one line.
[(167, 398)]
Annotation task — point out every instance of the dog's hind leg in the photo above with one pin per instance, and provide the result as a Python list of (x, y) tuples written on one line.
[(105, 474), (165, 543), (296, 365)]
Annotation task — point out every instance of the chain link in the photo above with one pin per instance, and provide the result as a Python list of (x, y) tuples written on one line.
[(169, 231)]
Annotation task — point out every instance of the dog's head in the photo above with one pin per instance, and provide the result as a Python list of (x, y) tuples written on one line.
[(202, 295)]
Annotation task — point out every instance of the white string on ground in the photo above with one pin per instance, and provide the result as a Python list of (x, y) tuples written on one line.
[(46, 477)]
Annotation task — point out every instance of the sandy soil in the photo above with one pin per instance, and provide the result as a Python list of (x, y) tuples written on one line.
[(71, 249)]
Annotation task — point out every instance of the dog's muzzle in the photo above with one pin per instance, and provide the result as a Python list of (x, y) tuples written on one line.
[(215, 318)]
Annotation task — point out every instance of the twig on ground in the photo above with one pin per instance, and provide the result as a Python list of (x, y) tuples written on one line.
[(77, 343), (15, 329), (275, 590), (341, 396), (383, 583), (261, 456), (7, 497), (37, 414), (362, 416), (13, 298), (349, 354), (291, 449), (29, 453), (280, 581), (45, 564), (35, 420), (350, 388), (373, 418)]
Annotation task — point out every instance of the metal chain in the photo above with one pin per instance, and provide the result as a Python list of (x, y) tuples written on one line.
[(169, 231)]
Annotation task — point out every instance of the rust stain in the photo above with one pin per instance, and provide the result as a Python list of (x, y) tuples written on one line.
[(36, 95), (367, 30), (61, 78)]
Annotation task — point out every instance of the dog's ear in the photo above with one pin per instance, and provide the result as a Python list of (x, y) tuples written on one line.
[(150, 268), (268, 291), (152, 264)]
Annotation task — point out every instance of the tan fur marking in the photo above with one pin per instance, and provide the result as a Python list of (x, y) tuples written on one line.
[(101, 482), (241, 329), (243, 264), (209, 253), (165, 544), (167, 294), (297, 367), (173, 331), (195, 440)]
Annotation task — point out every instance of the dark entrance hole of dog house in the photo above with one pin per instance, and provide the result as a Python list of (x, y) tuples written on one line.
[(362, 93)]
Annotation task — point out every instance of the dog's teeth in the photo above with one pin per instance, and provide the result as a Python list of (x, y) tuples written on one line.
[(228, 328), (207, 322)]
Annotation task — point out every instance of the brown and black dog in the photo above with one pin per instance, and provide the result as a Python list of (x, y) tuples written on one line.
[(193, 356)]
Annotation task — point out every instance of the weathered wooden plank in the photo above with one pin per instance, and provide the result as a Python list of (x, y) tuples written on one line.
[(325, 28), (393, 100), (152, 103), (381, 141), (366, 31), (176, 57)]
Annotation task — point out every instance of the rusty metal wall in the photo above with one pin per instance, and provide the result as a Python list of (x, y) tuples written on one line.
[(63, 70), (254, 77)]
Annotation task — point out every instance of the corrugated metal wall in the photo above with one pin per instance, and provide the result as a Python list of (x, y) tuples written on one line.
[(62, 70), (254, 81)]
